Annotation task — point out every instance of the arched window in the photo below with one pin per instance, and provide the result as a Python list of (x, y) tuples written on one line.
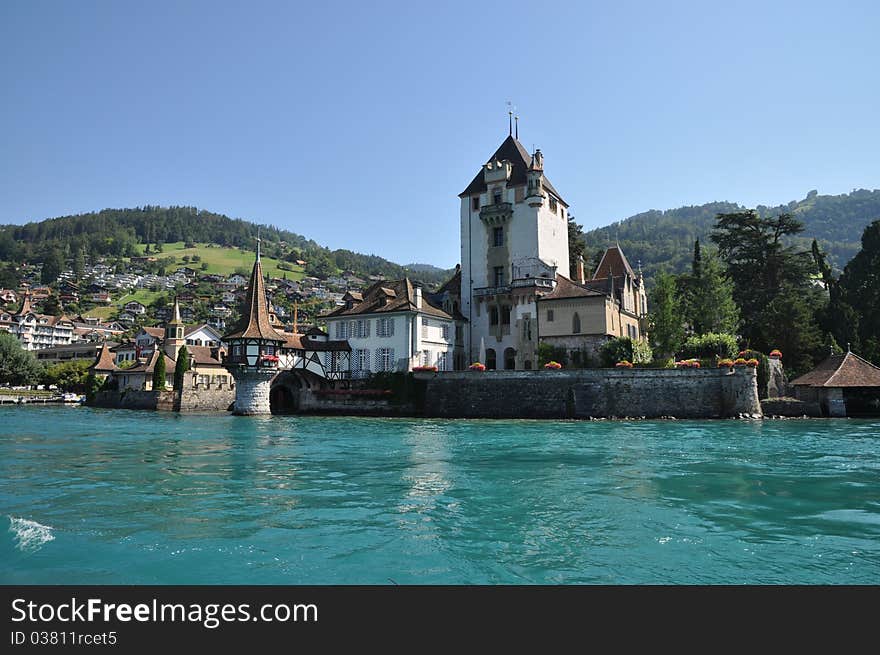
[(490, 359), (576, 324), (509, 359)]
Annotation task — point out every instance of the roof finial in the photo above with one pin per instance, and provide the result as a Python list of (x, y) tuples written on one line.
[(516, 124), (258, 243), (848, 347), (509, 118)]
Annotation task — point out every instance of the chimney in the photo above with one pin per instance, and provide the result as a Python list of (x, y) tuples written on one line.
[(579, 271), (417, 294)]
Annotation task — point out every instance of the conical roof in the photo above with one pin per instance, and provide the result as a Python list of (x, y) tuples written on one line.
[(254, 323)]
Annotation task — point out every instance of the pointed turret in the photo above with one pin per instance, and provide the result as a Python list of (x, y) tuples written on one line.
[(174, 332), (25, 304)]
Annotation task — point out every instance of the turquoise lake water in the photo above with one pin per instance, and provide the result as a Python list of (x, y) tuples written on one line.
[(124, 497)]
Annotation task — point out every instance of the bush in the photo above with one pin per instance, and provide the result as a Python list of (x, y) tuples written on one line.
[(708, 346), (763, 367), (622, 349), (548, 353)]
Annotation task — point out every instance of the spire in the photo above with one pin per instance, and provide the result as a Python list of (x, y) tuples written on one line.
[(25, 304), (175, 313), (254, 322), (516, 124), (258, 244)]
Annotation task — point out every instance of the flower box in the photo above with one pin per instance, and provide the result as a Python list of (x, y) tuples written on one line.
[(623, 364), (740, 361), (477, 366), (775, 354), (552, 365), (688, 363), (725, 363), (753, 363), (427, 369)]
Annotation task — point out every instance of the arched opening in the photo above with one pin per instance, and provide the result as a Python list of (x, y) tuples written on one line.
[(528, 364), (576, 324), (490, 359), (284, 394), (509, 359)]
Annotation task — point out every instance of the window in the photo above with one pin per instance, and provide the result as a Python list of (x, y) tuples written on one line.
[(384, 358), (385, 327), (490, 359), (498, 276), (441, 361), (475, 203), (496, 196), (445, 331), (342, 330), (268, 350), (505, 315), (362, 361), (459, 334), (528, 364), (552, 204), (497, 236), (549, 315), (576, 324), (236, 350), (509, 359), (426, 358), (424, 329), (493, 315)]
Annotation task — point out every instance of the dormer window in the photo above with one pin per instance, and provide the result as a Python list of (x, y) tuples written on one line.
[(496, 196)]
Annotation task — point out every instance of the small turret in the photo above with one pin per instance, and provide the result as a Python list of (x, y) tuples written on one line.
[(535, 177), (174, 331)]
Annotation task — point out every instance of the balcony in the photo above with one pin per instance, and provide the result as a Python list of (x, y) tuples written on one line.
[(497, 213), (539, 282), (491, 291)]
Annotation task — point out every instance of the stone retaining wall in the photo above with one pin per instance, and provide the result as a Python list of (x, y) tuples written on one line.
[(790, 407), (191, 400), (650, 393)]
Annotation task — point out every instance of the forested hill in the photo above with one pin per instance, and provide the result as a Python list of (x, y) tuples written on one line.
[(659, 238), (116, 233)]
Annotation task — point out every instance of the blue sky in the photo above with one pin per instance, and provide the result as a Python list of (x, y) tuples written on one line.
[(357, 124)]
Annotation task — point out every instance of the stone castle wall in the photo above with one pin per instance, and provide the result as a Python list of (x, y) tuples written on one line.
[(191, 400), (586, 393)]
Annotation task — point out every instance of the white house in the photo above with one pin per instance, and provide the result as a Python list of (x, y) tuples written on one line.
[(514, 242), (393, 327), (202, 335), (136, 308), (37, 331)]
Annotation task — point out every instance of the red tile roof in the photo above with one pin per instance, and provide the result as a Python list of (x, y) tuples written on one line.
[(399, 297), (615, 263), (566, 288)]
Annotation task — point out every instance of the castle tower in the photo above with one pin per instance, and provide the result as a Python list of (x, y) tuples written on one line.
[(174, 332), (514, 242), (253, 347)]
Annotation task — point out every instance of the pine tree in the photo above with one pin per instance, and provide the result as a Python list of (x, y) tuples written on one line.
[(181, 367), (159, 373), (665, 319)]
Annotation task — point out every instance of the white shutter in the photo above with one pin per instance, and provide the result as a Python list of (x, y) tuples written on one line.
[(378, 360), (392, 364)]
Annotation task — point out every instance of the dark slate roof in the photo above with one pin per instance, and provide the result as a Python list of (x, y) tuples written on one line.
[(841, 370), (514, 152), (566, 288), (204, 355), (255, 324), (453, 284), (399, 298)]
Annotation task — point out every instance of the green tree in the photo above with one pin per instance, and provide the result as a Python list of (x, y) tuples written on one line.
[(159, 373), (79, 263), (772, 284), (52, 307), (9, 277), (180, 368), (709, 304), (17, 366), (859, 290), (53, 265), (666, 328), (576, 244), (68, 376)]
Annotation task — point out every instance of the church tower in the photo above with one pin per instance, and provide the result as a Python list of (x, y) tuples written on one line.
[(174, 332), (514, 241)]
